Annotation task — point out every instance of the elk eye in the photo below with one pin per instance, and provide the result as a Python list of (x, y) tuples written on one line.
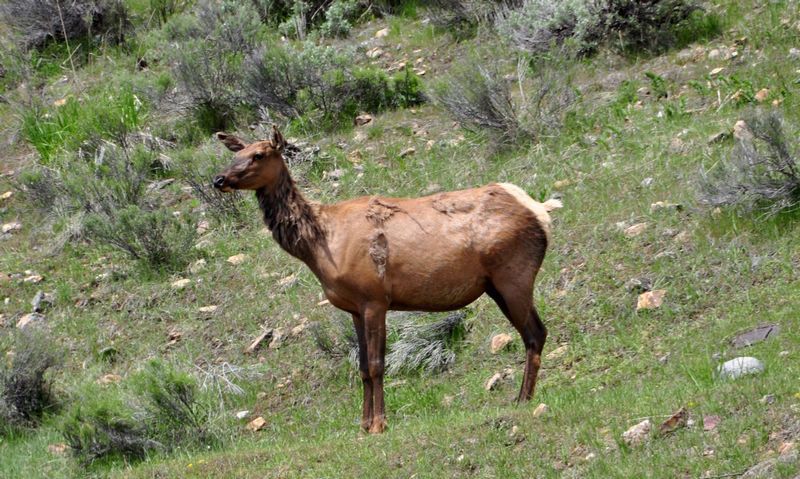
[(258, 157)]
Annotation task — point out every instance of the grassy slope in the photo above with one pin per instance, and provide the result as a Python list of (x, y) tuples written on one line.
[(610, 377)]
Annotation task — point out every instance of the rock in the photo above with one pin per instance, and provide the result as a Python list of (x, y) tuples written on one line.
[(355, 157), (174, 336), (637, 434), (498, 378), (560, 184), (742, 132), (651, 299), (647, 182), (541, 410), (11, 227), (277, 339), (109, 379), (363, 119), (375, 53), (40, 300), (237, 259), (663, 205), (675, 422), (557, 353), (767, 399), (794, 53), (382, 32), (741, 366), (334, 175), (716, 71), (29, 320), (33, 279), (786, 448), (769, 468), (6, 195), (202, 227), (682, 237), (256, 344), (676, 146), (256, 424), (58, 449), (635, 230), (718, 137), (197, 266), (500, 341), (762, 95), (407, 152), (209, 310), (639, 285), (181, 284), (298, 330), (288, 282), (242, 415), (447, 400), (755, 335)]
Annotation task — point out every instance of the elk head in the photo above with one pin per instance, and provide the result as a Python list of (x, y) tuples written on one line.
[(257, 165)]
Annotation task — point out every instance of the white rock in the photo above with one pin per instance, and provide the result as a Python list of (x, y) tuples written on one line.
[(540, 410), (29, 319), (237, 259), (500, 341), (11, 227), (740, 366), (637, 434), (242, 414), (382, 33), (181, 284), (197, 266)]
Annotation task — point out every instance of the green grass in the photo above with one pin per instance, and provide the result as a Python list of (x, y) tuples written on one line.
[(727, 273)]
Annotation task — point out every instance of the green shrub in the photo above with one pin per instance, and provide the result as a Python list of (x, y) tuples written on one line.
[(338, 18), (25, 386), (585, 25)]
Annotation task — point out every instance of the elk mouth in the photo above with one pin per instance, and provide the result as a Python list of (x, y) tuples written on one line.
[(221, 183)]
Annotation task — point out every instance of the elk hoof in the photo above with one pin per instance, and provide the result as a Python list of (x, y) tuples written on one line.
[(378, 425), (366, 423)]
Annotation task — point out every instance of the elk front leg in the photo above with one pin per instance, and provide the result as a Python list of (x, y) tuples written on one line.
[(363, 367), (374, 317)]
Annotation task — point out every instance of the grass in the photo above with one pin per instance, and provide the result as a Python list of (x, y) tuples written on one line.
[(727, 273)]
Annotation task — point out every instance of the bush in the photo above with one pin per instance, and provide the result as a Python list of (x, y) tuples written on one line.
[(762, 171), (625, 25), (37, 22), (338, 17), (160, 409), (25, 387), (461, 18), (478, 97), (322, 86)]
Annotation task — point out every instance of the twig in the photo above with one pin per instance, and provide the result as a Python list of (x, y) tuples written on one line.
[(66, 39)]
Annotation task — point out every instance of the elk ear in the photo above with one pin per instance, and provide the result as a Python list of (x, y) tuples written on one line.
[(278, 141), (231, 142)]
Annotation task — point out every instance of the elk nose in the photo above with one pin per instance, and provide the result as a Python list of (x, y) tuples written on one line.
[(219, 181)]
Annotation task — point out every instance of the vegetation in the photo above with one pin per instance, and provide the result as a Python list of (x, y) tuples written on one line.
[(669, 133)]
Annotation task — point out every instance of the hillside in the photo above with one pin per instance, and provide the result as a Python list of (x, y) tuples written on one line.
[(154, 287)]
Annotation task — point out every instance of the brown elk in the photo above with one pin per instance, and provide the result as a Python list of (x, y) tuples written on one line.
[(373, 254)]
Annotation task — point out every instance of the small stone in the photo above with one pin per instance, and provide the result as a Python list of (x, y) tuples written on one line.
[(375, 53), (663, 205), (202, 227), (755, 335), (716, 71), (11, 227), (174, 336), (256, 344), (639, 285), (363, 119), (635, 230), (767, 399), (794, 53), (30, 319), (382, 33), (242, 415), (355, 157), (33, 279), (257, 424), (560, 184), (651, 299), (786, 447), (499, 342), (237, 259), (407, 152), (590, 457), (58, 449), (334, 175), (762, 95), (277, 339), (197, 266), (742, 132), (741, 366), (109, 379), (6, 195), (541, 410), (557, 353), (40, 300), (647, 182), (447, 400), (718, 137), (298, 330), (181, 284), (211, 309), (637, 434), (497, 378), (676, 145), (288, 281), (682, 237)]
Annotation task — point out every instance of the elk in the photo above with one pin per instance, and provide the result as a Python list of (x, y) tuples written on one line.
[(374, 254)]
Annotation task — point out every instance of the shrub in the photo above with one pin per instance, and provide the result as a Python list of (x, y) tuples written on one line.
[(478, 97), (25, 387), (37, 22), (625, 25), (338, 17), (461, 18), (762, 171), (160, 409)]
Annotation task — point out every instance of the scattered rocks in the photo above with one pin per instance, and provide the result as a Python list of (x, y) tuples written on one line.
[(31, 319), (742, 132), (257, 424), (277, 339), (288, 282), (711, 422), (33, 279), (557, 353), (58, 449), (741, 366), (541, 410), (499, 342), (181, 284), (256, 344), (334, 175), (639, 285), (767, 399), (647, 182), (374, 53), (768, 469), (242, 415), (362, 119), (9, 228), (208, 310), (202, 227), (174, 336), (41, 300), (755, 335), (6, 195), (675, 422), (298, 330), (635, 230), (109, 379), (718, 137), (407, 152), (651, 299), (561, 184), (677, 146), (237, 259), (663, 205), (637, 434), (197, 266), (716, 71), (498, 378), (762, 95), (382, 32)]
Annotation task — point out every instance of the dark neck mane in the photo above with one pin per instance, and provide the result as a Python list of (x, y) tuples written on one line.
[(290, 218)]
